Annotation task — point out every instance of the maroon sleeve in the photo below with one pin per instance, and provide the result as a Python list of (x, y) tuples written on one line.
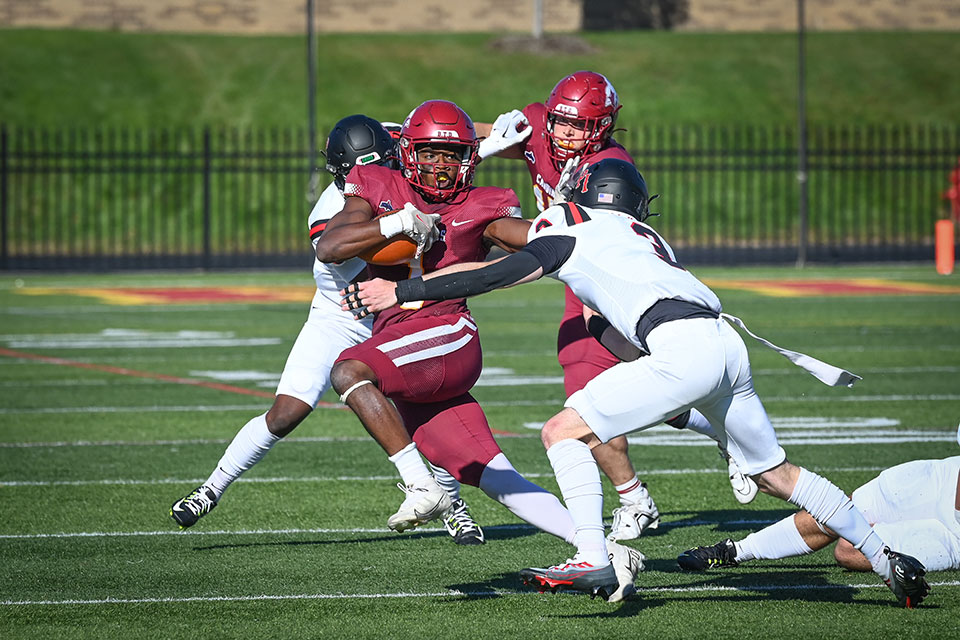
[(612, 150), (367, 183)]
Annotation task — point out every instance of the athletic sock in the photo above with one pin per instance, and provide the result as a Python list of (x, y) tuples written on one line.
[(579, 481), (833, 509), (410, 465), (780, 540), (699, 423), (526, 500), (446, 480), (250, 444), (632, 491)]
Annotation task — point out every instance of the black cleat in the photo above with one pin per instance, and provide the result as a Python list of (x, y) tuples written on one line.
[(721, 555), (907, 582), (461, 526), (193, 506)]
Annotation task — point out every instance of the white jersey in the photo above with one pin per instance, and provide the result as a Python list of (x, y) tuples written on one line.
[(330, 278), (620, 267)]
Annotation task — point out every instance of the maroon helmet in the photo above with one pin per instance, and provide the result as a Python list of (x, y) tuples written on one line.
[(590, 102), (438, 122)]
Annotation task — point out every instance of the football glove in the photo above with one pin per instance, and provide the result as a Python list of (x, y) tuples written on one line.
[(508, 129), (418, 226)]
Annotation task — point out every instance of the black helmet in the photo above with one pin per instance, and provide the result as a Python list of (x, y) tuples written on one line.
[(357, 140), (613, 184)]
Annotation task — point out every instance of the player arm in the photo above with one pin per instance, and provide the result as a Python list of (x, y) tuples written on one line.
[(542, 256), (510, 234), (611, 339), (349, 232)]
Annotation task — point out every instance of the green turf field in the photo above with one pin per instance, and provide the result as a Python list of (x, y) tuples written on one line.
[(95, 444), (149, 81)]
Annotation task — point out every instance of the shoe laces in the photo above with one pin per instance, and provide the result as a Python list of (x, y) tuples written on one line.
[(459, 517), (199, 502)]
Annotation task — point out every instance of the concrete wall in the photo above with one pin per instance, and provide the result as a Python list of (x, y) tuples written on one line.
[(287, 16)]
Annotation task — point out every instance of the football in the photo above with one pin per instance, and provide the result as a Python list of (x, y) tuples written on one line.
[(396, 250)]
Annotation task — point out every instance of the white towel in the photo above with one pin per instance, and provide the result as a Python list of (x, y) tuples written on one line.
[(825, 373)]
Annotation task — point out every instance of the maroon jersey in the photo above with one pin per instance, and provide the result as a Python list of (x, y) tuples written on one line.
[(462, 223), (536, 153)]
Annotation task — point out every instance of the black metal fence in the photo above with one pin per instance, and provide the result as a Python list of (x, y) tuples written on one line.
[(215, 199)]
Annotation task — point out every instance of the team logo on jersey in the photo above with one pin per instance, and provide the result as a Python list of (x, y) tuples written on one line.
[(543, 224), (532, 159), (385, 205)]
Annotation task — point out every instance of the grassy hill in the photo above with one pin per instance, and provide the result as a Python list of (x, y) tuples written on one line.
[(72, 78)]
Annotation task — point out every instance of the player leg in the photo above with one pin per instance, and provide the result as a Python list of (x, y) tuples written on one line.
[(751, 435), (421, 360), (305, 378), (933, 544)]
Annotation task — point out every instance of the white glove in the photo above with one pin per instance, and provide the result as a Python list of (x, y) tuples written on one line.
[(418, 226), (563, 189), (508, 129)]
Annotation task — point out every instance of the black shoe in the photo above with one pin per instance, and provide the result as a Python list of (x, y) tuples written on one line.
[(907, 582), (461, 526), (722, 554), (193, 506)]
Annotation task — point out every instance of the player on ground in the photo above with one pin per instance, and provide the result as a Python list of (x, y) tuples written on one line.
[(574, 129), (914, 507), (599, 245), (354, 140), (425, 356)]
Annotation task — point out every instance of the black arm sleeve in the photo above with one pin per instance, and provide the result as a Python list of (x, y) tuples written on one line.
[(601, 329), (543, 253)]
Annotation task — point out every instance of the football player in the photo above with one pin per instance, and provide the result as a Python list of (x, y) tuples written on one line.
[(914, 506), (425, 356), (573, 128), (354, 140), (647, 303)]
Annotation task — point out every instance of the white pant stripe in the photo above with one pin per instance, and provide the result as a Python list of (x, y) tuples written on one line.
[(432, 352), (426, 334)]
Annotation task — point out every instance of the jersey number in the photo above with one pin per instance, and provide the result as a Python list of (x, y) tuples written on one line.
[(657, 243)]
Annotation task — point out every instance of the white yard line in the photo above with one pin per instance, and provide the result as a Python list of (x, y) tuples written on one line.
[(452, 593)]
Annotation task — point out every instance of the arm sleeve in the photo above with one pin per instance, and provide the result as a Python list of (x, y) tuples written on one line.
[(601, 329), (508, 271)]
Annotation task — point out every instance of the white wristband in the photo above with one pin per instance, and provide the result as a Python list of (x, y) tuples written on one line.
[(390, 226)]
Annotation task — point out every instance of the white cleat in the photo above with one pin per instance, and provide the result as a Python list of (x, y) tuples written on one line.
[(629, 521), (627, 563), (422, 504), (744, 488)]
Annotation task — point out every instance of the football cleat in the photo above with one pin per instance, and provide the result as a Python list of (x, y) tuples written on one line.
[(580, 576), (461, 526), (627, 563), (744, 488), (723, 554), (629, 521), (421, 505), (193, 506), (906, 579)]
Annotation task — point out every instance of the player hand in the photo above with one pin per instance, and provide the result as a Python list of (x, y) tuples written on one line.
[(508, 129), (364, 298), (566, 183), (419, 226)]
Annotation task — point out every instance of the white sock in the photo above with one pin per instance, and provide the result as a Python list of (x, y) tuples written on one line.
[(632, 491), (780, 540), (250, 444), (446, 480), (699, 423), (579, 482), (410, 465), (526, 500), (833, 509)]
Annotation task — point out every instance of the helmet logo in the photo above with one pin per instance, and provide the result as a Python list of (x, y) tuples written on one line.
[(566, 108), (369, 158), (606, 198), (446, 133)]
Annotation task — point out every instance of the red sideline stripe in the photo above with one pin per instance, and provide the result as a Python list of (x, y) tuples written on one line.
[(10, 353), (577, 214)]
